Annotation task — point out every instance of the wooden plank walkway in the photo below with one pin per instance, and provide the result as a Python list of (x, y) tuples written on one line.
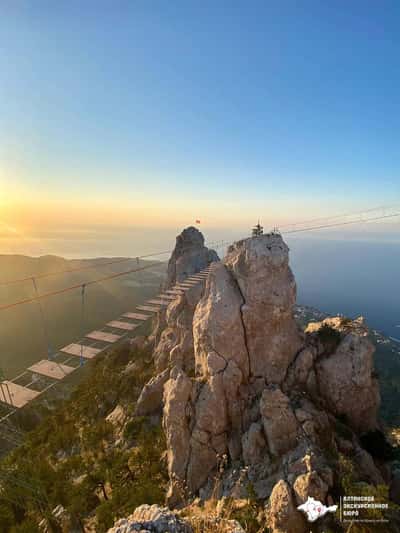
[(51, 369), (95, 342), (17, 395)]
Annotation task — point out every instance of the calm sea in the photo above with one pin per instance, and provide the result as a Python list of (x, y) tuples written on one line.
[(350, 277)]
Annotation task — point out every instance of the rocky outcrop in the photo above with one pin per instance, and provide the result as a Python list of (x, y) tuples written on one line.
[(260, 267), (346, 381), (259, 381), (177, 393), (175, 345), (218, 330), (283, 515), (280, 424), (244, 337), (172, 336), (253, 400), (156, 519), (189, 256), (150, 399), (151, 519), (254, 445)]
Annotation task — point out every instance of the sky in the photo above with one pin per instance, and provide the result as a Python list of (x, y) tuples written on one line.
[(122, 122)]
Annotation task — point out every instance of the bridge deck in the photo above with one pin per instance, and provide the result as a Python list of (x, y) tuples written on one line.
[(88, 352), (151, 308), (136, 316), (20, 396), (17, 396), (51, 369), (119, 324), (159, 301), (103, 336)]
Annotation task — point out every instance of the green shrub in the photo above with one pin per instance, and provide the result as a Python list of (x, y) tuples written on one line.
[(329, 337), (105, 517)]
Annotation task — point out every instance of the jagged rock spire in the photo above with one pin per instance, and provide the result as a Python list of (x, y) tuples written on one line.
[(256, 394), (189, 256), (243, 385)]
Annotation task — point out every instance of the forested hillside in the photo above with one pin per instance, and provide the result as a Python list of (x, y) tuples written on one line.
[(96, 466)]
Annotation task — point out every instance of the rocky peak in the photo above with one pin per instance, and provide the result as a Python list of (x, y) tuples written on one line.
[(260, 267), (189, 256), (245, 388)]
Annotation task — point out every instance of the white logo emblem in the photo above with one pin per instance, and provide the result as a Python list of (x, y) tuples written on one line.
[(315, 509)]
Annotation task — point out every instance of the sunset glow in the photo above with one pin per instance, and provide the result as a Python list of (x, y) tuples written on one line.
[(101, 131)]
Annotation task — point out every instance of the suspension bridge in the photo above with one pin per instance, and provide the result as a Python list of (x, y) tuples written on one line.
[(40, 377), (43, 375), (25, 388)]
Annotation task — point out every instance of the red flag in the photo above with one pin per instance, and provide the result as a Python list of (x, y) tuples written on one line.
[(197, 221)]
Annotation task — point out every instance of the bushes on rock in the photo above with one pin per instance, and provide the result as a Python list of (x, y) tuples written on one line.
[(329, 337)]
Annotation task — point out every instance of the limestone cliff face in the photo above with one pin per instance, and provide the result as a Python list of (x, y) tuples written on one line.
[(345, 378), (175, 342), (244, 388), (245, 338), (261, 270)]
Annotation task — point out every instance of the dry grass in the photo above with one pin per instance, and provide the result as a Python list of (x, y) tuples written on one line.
[(224, 515)]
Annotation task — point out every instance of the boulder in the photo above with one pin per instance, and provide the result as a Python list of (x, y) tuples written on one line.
[(254, 445), (279, 421), (151, 519), (150, 399), (310, 484), (299, 371), (347, 383), (283, 517), (117, 417)]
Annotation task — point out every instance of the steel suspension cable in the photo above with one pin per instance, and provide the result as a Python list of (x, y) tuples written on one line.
[(336, 224), (84, 268), (44, 322), (83, 290), (76, 286), (79, 285)]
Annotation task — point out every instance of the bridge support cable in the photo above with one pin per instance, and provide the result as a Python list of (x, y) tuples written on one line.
[(83, 294), (51, 354), (50, 351)]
